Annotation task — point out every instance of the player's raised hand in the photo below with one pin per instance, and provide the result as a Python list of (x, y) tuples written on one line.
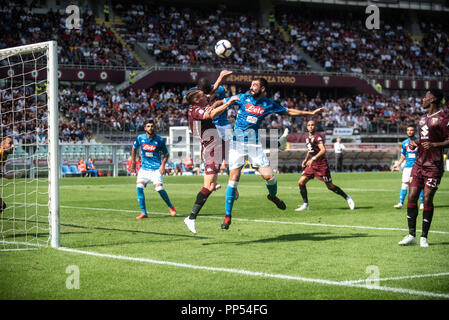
[(395, 168), (225, 73), (319, 110)]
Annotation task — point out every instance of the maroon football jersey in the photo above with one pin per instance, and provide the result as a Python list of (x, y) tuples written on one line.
[(432, 128), (205, 130), (312, 143)]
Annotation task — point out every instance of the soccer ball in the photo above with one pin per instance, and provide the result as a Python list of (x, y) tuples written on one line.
[(223, 48)]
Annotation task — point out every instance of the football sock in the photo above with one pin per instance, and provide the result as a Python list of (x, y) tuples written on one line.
[(201, 198), (165, 197), (338, 191), (272, 186), (421, 196), (141, 199), (230, 196), (412, 213), (402, 194), (303, 191), (426, 220)]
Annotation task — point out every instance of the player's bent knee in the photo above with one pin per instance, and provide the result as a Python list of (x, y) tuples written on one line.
[(404, 185), (140, 185), (159, 188)]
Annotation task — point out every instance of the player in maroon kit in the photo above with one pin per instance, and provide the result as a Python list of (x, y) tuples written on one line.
[(202, 126), (315, 165), (428, 168)]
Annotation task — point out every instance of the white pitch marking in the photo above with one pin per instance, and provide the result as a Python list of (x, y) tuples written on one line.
[(431, 275), (19, 249), (261, 221), (260, 274)]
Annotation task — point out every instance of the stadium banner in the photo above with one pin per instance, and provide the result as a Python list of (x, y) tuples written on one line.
[(95, 75), (343, 131), (283, 79)]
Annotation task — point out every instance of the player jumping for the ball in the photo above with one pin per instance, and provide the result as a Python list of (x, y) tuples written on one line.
[(201, 123), (428, 168), (315, 165), (253, 108)]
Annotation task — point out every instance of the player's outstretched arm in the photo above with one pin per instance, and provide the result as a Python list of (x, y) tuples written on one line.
[(213, 112), (299, 113), (223, 74)]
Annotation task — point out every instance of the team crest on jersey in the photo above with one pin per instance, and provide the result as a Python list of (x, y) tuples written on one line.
[(250, 108), (434, 121), (148, 147)]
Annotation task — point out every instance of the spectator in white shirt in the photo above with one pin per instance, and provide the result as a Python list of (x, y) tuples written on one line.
[(338, 149)]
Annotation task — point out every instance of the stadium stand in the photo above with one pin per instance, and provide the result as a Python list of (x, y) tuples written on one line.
[(91, 45)]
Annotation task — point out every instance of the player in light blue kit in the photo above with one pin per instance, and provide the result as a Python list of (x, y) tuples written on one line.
[(409, 156), (154, 156), (253, 108)]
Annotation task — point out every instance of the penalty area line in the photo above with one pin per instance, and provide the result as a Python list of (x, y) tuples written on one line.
[(259, 274), (262, 221)]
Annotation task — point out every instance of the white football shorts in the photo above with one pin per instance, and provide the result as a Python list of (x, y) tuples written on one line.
[(144, 176), (406, 172), (253, 152), (225, 132)]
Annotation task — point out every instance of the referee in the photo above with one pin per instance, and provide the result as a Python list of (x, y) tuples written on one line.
[(338, 149)]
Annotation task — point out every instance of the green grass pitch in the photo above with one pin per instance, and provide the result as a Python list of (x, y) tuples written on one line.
[(328, 252)]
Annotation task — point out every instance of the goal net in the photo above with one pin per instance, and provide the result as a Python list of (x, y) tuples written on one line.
[(29, 147)]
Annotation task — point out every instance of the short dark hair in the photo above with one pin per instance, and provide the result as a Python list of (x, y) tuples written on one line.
[(438, 94), (192, 94), (263, 82), (204, 84), (411, 126), (149, 121)]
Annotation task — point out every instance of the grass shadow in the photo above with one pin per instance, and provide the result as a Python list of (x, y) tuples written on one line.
[(316, 236)]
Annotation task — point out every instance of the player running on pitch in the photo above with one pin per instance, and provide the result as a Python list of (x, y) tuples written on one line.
[(428, 168), (315, 165), (253, 108), (154, 156), (409, 156), (201, 123)]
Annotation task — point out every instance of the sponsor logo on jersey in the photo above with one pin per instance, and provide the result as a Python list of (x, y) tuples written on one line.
[(250, 108), (148, 147)]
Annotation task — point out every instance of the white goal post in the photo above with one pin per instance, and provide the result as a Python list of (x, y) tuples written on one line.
[(21, 67)]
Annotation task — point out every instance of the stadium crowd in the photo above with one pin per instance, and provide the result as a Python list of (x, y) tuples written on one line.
[(109, 109), (87, 111), (91, 44), (186, 36), (340, 42)]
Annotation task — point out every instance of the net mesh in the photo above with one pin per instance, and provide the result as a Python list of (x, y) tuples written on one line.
[(24, 221)]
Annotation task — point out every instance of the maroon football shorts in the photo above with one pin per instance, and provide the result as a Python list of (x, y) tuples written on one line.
[(423, 178), (320, 172), (211, 161)]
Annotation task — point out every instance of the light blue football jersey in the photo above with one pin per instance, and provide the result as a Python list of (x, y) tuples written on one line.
[(152, 150), (250, 115), (409, 154)]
